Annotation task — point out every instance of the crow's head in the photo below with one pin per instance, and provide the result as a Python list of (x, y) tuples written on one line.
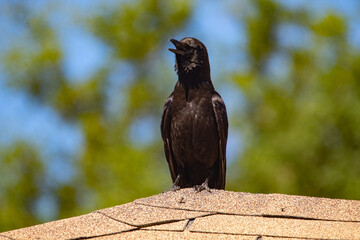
[(191, 56)]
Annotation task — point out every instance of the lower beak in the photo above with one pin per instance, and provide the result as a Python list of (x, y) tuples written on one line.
[(180, 49)]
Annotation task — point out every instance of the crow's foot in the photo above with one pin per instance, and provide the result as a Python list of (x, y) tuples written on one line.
[(202, 187), (174, 188)]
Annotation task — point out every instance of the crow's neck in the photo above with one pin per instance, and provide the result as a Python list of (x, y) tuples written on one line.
[(195, 79)]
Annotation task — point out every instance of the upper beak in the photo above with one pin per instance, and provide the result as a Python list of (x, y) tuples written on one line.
[(180, 49)]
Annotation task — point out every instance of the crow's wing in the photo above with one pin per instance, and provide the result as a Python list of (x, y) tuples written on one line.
[(222, 126), (165, 134)]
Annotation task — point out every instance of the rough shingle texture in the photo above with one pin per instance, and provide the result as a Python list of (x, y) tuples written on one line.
[(185, 214)]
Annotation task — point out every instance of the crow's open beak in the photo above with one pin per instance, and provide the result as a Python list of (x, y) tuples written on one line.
[(180, 49)]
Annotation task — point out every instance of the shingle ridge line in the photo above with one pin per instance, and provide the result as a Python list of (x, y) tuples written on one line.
[(1, 235)]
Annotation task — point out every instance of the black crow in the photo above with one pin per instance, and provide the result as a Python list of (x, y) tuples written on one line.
[(194, 125)]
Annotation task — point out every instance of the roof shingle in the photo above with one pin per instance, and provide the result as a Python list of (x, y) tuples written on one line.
[(216, 215)]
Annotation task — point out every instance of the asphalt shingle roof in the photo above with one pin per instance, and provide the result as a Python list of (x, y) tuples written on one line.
[(185, 214)]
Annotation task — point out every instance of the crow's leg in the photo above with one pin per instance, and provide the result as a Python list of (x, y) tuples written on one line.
[(175, 186)]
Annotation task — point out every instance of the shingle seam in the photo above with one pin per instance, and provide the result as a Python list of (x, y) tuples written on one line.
[(104, 235), (284, 216), (306, 218), (210, 212), (265, 235), (136, 227), (161, 230), (156, 223), (251, 215), (108, 216), (226, 233), (160, 223), (143, 226), (188, 224), (232, 234), (175, 208)]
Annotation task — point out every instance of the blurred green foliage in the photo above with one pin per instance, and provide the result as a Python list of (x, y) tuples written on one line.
[(301, 131), (22, 175), (110, 170)]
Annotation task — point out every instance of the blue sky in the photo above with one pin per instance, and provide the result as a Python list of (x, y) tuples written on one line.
[(215, 23)]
